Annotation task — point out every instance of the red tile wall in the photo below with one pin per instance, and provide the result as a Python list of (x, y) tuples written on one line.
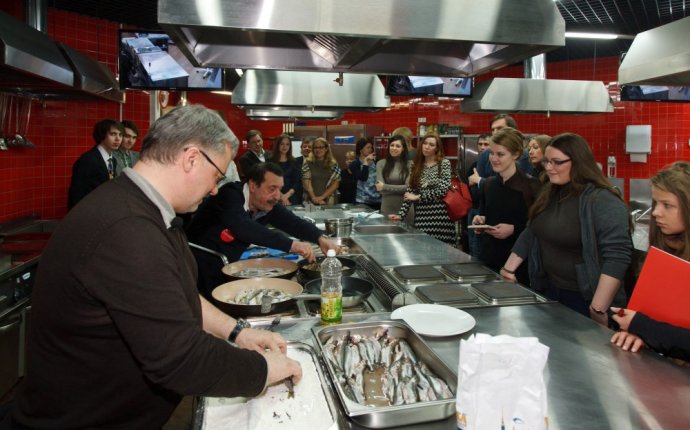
[(36, 180)]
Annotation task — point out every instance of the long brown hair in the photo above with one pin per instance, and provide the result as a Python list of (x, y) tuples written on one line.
[(275, 155), (583, 170), (674, 179), (418, 165)]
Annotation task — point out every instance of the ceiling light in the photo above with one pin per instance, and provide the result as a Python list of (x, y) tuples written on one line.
[(603, 36)]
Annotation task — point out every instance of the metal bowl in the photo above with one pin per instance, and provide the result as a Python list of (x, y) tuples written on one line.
[(340, 227)]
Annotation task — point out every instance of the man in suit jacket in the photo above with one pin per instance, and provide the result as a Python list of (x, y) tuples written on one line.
[(255, 155), (97, 165), (124, 155), (237, 217)]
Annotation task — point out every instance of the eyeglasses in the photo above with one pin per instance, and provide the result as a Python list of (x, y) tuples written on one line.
[(555, 163), (222, 175)]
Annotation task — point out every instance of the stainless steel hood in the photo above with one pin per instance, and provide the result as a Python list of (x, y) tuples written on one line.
[(292, 114), (407, 37), (660, 56), (538, 94), (289, 90), (33, 65)]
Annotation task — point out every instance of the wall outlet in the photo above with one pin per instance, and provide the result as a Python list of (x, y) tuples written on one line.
[(421, 120)]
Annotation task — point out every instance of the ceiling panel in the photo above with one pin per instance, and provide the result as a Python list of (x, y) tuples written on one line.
[(627, 17)]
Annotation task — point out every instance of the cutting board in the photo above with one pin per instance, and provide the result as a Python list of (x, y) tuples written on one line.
[(662, 291)]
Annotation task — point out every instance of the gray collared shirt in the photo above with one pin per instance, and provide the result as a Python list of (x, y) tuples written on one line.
[(167, 212)]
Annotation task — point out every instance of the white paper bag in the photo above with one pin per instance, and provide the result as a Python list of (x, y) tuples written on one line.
[(501, 383)]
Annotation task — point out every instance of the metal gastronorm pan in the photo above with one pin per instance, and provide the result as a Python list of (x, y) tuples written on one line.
[(391, 416)]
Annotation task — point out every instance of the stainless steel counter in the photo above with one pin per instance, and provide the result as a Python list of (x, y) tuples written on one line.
[(591, 384)]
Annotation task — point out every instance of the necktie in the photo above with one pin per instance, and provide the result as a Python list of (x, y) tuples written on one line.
[(110, 168)]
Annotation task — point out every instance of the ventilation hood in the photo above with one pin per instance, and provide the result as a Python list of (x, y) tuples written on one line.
[(33, 65), (289, 90), (285, 115), (406, 37), (538, 94), (660, 56)]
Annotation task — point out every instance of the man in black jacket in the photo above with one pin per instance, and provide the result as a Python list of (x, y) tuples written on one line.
[(237, 217), (97, 165), (255, 155)]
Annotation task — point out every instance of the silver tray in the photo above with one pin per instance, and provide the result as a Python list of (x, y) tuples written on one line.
[(391, 416), (337, 414)]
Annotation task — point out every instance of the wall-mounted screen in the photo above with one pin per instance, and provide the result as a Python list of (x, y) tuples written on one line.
[(150, 60), (428, 86), (655, 93)]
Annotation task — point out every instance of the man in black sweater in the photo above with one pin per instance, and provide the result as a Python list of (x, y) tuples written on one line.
[(237, 217), (116, 342)]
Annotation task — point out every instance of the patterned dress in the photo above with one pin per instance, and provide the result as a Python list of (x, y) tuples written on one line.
[(431, 215)]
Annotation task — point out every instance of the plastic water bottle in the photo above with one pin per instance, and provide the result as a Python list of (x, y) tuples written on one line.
[(331, 289)]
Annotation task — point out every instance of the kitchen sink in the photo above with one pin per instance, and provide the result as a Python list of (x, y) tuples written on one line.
[(379, 229)]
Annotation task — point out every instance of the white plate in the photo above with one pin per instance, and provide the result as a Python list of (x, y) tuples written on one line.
[(435, 320)]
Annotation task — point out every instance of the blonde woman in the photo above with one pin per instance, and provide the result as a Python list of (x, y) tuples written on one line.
[(320, 174), (535, 148), (429, 182)]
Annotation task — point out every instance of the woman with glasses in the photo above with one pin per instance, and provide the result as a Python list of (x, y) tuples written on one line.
[(577, 242), (320, 174), (291, 192), (504, 200), (393, 175), (669, 230), (429, 182)]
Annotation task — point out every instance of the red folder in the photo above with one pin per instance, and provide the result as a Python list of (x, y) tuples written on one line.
[(662, 291)]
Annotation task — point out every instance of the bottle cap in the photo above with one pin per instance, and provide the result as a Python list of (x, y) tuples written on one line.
[(330, 253)]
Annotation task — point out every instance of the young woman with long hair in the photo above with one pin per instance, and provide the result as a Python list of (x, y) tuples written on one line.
[(577, 241), (429, 182), (393, 175), (669, 230), (291, 192)]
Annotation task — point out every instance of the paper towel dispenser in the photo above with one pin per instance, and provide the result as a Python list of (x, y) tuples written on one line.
[(638, 139), (638, 142)]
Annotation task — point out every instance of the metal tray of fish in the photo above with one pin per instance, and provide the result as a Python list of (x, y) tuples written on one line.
[(377, 410), (296, 411)]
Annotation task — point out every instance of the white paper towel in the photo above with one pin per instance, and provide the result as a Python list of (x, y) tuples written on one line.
[(638, 157)]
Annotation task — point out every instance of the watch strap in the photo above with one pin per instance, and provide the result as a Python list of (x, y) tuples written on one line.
[(241, 324)]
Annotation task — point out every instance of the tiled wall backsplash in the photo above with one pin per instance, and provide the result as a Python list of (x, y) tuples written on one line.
[(36, 180)]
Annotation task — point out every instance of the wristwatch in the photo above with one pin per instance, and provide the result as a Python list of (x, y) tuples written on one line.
[(241, 324)]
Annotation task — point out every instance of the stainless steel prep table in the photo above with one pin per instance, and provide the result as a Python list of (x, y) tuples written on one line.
[(591, 384)]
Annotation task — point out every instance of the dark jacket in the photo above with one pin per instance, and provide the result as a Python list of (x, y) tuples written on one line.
[(88, 172), (606, 244), (667, 339), (225, 211), (247, 160)]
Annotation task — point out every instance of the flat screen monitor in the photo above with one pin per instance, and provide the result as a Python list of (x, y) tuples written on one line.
[(428, 86), (150, 60), (655, 93)]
